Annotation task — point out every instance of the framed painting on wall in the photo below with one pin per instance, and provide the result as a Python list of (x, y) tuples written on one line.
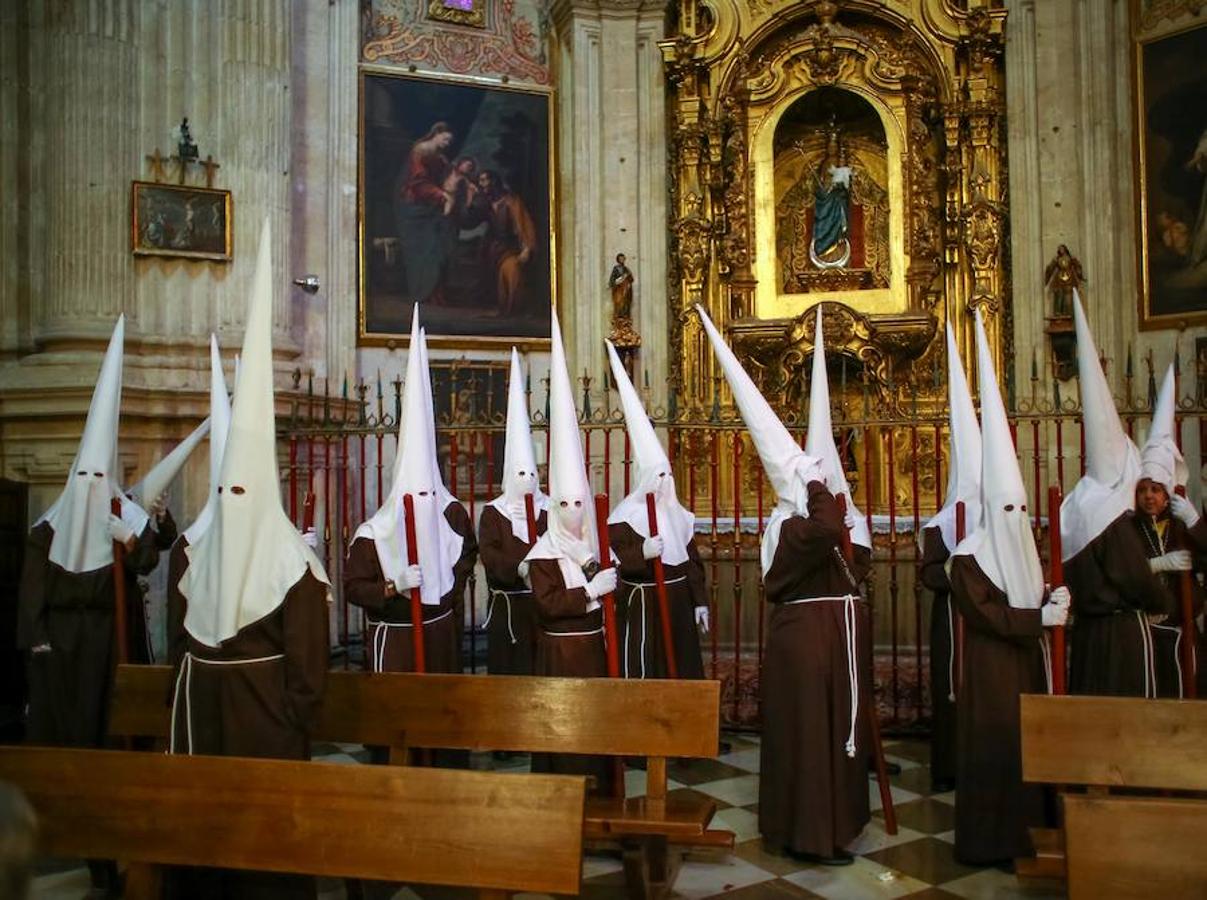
[(456, 209), (1171, 117), (179, 220)]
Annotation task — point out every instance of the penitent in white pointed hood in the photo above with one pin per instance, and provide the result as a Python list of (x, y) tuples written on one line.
[(161, 475), (819, 441), (220, 419), (415, 473), (964, 470), (1112, 467), (250, 556), (571, 536), (788, 467), (676, 525), (1161, 460), (520, 476), (79, 517), (1002, 543)]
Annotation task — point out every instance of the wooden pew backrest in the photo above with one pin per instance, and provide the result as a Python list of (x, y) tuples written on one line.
[(1115, 741), (1135, 847), (656, 717), (429, 826)]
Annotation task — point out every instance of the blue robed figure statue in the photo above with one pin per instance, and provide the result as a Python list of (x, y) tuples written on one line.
[(830, 247)]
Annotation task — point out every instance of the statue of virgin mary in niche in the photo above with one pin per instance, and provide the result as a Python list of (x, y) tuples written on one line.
[(829, 246)]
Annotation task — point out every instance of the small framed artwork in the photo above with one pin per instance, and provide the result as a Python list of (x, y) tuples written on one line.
[(456, 211), (1171, 119), (180, 220), (458, 12)]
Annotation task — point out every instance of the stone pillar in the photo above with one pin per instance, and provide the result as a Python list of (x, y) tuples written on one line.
[(612, 151)]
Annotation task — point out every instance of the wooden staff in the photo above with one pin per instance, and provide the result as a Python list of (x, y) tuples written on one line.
[(608, 601), (1056, 575), (1186, 591), (408, 505), (530, 512), (958, 649), (886, 792), (119, 591), (664, 606)]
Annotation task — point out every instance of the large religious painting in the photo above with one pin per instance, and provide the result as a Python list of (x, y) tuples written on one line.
[(832, 202), (1171, 88), (456, 211), (179, 220)]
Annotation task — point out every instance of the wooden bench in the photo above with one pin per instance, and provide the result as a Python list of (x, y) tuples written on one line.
[(484, 830), (655, 719), (1120, 845)]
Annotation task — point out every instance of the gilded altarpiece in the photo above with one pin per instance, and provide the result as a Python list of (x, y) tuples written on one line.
[(845, 153)]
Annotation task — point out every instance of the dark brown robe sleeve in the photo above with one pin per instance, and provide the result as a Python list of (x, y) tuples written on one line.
[(364, 583), (811, 538), (934, 559), (553, 600), (1111, 574), (143, 559), (501, 551), (458, 520), (861, 563), (694, 570), (177, 604), (627, 547), (307, 650), (31, 616), (985, 608), (165, 531)]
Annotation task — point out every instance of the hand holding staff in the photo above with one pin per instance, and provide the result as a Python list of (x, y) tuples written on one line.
[(408, 504), (119, 591), (608, 600), (664, 607), (1056, 576), (886, 792)]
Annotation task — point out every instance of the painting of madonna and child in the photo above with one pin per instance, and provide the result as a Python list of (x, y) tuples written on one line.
[(455, 204)]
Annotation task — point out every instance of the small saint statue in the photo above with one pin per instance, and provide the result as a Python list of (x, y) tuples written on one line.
[(623, 335), (620, 282), (1062, 276), (829, 246), (186, 146)]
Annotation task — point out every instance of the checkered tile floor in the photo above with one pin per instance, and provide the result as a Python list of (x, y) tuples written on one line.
[(916, 862)]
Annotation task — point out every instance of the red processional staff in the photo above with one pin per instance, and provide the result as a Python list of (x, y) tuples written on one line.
[(886, 793), (1186, 595), (608, 601), (1056, 576), (119, 591), (664, 607), (408, 504), (530, 512)]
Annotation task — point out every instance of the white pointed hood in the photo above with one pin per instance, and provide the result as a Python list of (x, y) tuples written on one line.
[(567, 479), (676, 525), (520, 476), (1107, 490), (1002, 543), (964, 470), (788, 467), (161, 475), (415, 473), (819, 441), (443, 496), (1161, 460), (250, 556), (80, 515), (220, 418)]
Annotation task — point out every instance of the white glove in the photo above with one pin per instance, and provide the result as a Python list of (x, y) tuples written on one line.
[(813, 473), (849, 520), (604, 582), (411, 577), (702, 618), (1060, 596), (311, 539), (652, 547), (119, 530), (40, 648), (159, 506), (1184, 510), (1174, 561), (1056, 610)]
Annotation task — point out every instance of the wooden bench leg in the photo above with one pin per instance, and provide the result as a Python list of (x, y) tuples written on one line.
[(143, 882), (649, 867)]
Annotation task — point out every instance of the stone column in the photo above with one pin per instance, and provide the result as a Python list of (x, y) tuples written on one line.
[(612, 160)]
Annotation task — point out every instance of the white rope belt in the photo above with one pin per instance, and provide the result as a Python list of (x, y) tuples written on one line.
[(185, 677), (849, 611), (495, 593), (951, 652), (1045, 649), (381, 632), (1177, 654), (1146, 644), (572, 633), (638, 588)]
